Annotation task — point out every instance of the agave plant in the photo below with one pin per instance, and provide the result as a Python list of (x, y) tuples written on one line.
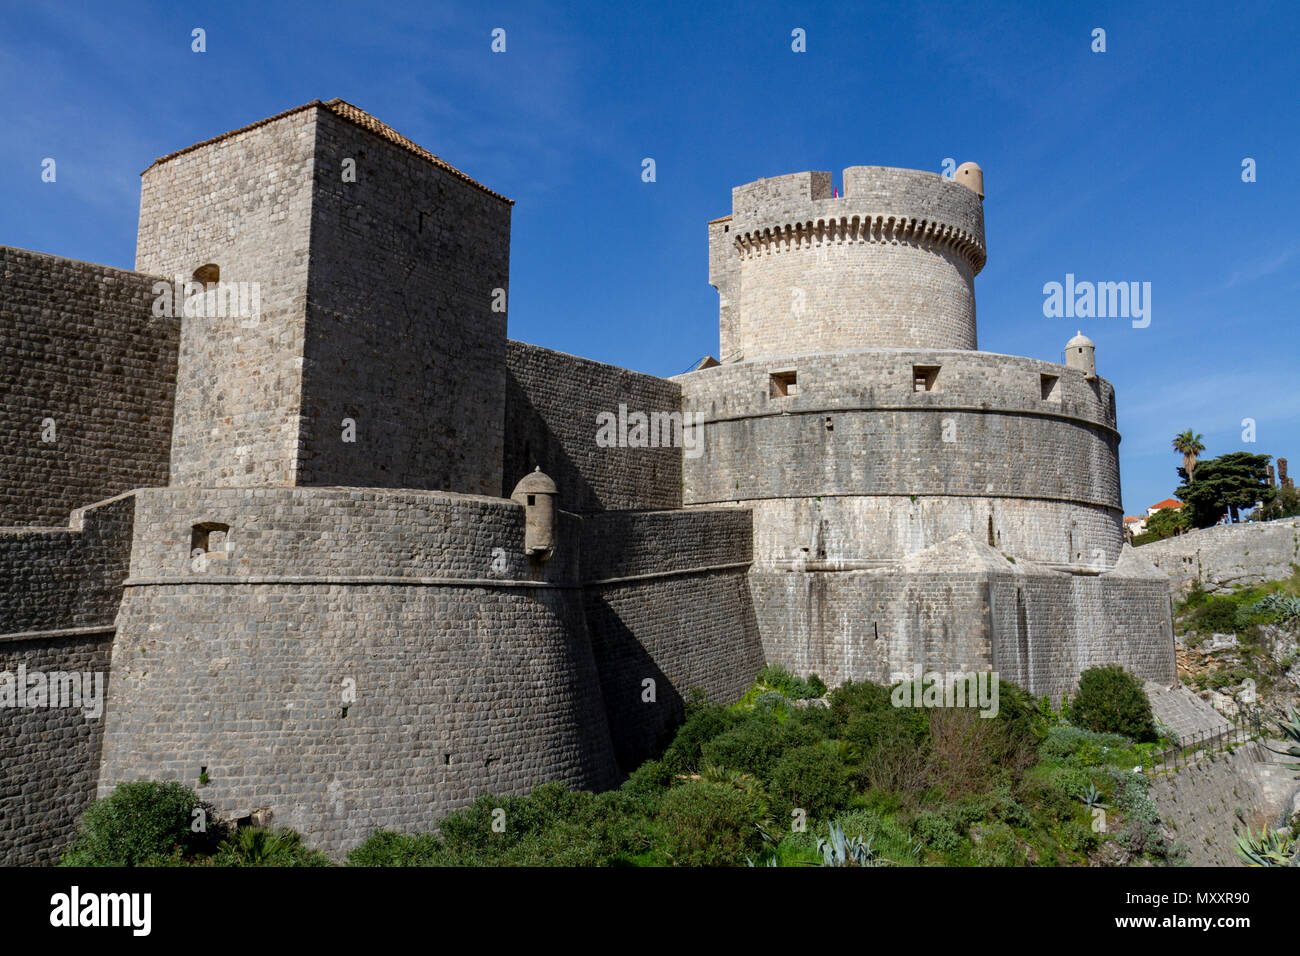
[(1284, 605), (1268, 848), (1291, 731), (1092, 797), (841, 850)]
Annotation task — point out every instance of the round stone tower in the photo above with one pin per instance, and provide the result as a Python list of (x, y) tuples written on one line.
[(889, 263), (854, 417)]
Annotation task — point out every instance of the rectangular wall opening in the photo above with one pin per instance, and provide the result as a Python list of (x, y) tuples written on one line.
[(1050, 386), (784, 384), (208, 539), (924, 377)]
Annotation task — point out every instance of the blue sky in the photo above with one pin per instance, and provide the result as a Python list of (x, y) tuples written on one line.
[(1115, 166)]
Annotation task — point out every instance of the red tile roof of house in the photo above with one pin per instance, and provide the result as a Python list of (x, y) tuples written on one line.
[(1168, 503)]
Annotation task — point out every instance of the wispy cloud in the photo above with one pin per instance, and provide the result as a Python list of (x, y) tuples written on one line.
[(1257, 270)]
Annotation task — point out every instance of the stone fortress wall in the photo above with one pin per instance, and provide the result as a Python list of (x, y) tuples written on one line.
[(352, 659), (78, 346), (402, 338), (282, 561), (962, 606), (361, 634), (1228, 556), (242, 203), (551, 407), (57, 616), (672, 604), (857, 466)]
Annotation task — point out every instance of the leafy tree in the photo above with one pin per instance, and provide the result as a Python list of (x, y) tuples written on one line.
[(1224, 485), (1189, 446), (1168, 522), (1285, 505)]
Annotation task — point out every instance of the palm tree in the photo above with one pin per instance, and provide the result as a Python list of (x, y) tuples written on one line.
[(1189, 446)]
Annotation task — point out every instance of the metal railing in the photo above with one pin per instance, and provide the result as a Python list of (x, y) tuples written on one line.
[(1245, 726)]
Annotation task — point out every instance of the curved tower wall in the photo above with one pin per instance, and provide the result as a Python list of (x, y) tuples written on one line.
[(888, 264), (358, 659), (916, 503), (857, 465)]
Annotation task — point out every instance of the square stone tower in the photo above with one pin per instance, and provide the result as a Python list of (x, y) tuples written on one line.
[(353, 328)]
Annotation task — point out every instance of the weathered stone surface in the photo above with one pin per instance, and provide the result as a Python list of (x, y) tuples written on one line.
[(1229, 556), (79, 347), (552, 401)]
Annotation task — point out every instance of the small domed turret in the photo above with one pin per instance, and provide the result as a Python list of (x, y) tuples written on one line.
[(972, 177), (536, 492), (1081, 353)]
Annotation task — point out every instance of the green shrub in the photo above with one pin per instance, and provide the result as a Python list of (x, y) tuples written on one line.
[(552, 826), (966, 811), (1111, 700), (1084, 746), (470, 838), (935, 832), (703, 723), (777, 678), (891, 742), (797, 847), (1024, 719), (810, 778), (263, 846), (1079, 837), (1277, 607), (997, 846), (1216, 614), (856, 698), (813, 722), (751, 746), (647, 784), (1008, 809), (709, 824), (1053, 790), (970, 754), (1142, 831), (142, 824), (390, 848)]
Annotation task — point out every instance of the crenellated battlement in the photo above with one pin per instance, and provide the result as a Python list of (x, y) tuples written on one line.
[(882, 229)]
